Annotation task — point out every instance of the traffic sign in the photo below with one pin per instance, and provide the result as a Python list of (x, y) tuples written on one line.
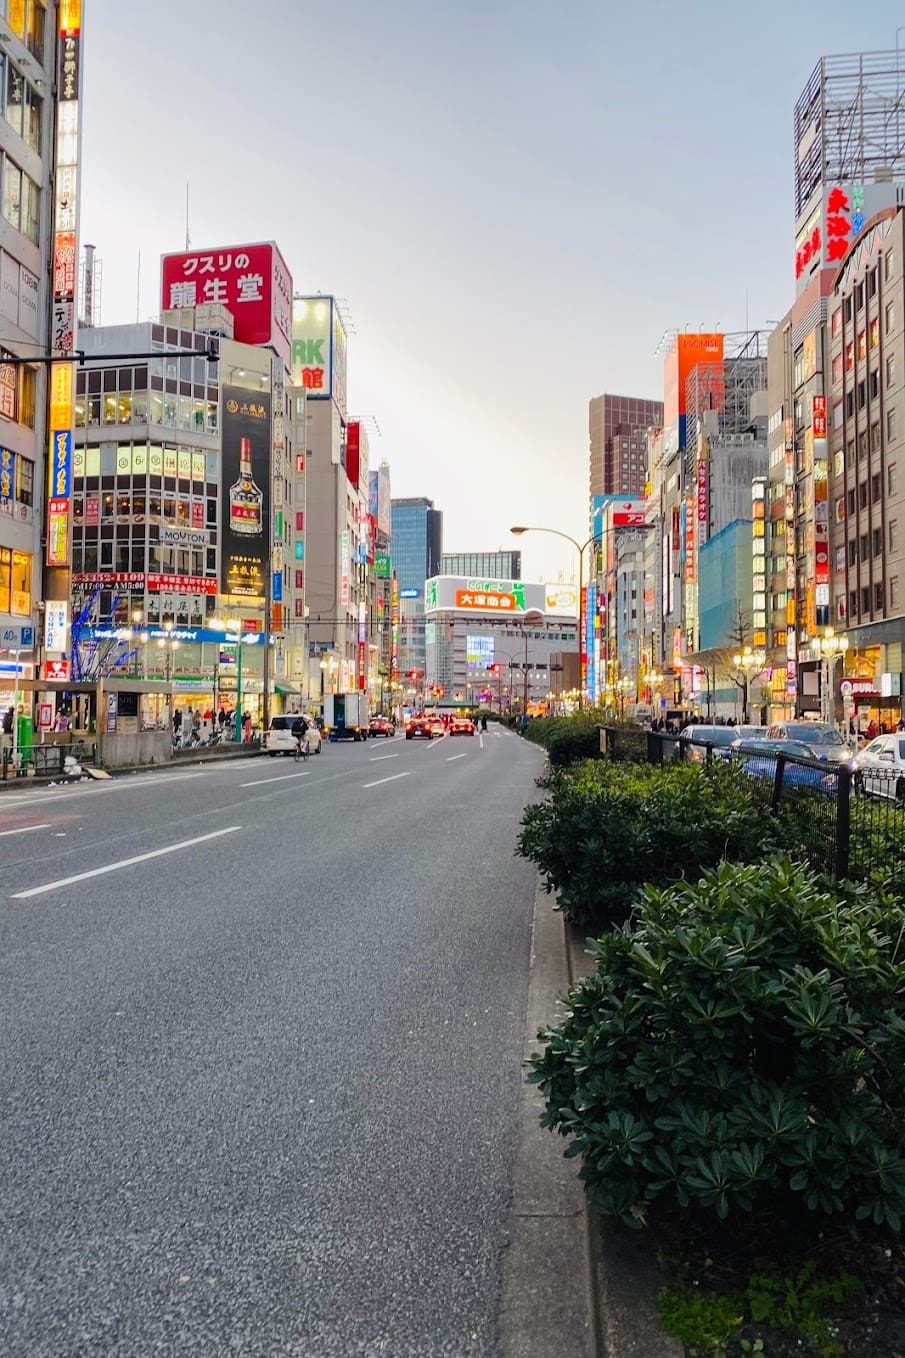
[(17, 638)]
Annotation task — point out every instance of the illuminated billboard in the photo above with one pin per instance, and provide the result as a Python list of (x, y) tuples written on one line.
[(685, 353)]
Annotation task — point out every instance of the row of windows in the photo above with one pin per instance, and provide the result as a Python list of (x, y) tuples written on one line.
[(143, 509), (20, 199), (859, 601), (191, 413), (864, 290)]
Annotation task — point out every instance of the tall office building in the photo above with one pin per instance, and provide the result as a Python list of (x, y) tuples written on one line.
[(617, 428), (416, 547), (502, 565), (39, 84)]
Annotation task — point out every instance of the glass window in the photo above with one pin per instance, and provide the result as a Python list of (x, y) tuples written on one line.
[(893, 534), (31, 209), (878, 597), (15, 98), (25, 481), (890, 370), (20, 600), (837, 321), (27, 389), (890, 267), (890, 317), (890, 425), (11, 199)]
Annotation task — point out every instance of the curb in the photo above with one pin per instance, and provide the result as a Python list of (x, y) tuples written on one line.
[(574, 1285)]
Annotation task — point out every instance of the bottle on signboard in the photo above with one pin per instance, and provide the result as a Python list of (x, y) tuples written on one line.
[(246, 500)]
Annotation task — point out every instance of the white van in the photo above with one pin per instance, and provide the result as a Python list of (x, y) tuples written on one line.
[(278, 738)]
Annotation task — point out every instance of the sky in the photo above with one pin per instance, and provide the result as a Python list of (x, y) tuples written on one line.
[(514, 200)]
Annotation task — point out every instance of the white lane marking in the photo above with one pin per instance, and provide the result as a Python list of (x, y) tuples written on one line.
[(24, 829), (280, 778), (375, 759), (123, 863), (451, 757), (392, 778)]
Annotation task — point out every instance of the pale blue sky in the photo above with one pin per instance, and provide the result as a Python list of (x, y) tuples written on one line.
[(515, 199)]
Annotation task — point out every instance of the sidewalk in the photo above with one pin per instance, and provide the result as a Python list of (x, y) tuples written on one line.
[(574, 1285)]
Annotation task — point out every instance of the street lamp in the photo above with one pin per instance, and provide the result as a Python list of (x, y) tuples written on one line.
[(580, 548), (169, 645), (748, 663), (828, 649)]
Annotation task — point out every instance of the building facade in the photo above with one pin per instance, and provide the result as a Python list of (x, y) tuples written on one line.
[(416, 552), (501, 565), (617, 430), (32, 91)]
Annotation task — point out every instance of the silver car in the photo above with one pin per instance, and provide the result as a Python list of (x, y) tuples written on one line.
[(880, 767)]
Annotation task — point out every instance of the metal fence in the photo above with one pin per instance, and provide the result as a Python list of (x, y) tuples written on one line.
[(44, 761), (844, 821)]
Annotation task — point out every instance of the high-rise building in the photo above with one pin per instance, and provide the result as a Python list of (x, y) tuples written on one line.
[(39, 73), (617, 428), (849, 168), (416, 550), (501, 565)]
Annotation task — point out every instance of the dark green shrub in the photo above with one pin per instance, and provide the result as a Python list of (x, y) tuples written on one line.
[(567, 739), (743, 1048), (606, 829)]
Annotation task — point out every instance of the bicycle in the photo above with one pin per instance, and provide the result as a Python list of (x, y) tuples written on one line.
[(301, 748)]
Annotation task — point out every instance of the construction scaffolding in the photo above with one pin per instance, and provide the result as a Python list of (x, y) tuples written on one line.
[(850, 123), (718, 401)]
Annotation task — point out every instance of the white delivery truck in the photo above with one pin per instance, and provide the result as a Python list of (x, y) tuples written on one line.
[(346, 716)]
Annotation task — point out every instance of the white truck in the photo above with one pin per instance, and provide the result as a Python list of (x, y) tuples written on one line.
[(346, 716)]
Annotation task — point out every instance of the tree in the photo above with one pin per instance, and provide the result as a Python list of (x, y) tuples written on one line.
[(92, 657)]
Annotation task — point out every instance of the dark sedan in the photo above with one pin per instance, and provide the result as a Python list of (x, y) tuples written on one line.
[(381, 726), (419, 726)]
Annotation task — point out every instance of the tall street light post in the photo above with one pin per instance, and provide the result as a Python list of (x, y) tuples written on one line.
[(748, 663), (580, 548), (828, 648)]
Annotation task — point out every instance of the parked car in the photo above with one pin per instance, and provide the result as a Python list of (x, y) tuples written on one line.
[(381, 726), (461, 726), (758, 758), (880, 767), (419, 726), (720, 737), (822, 739), (278, 738)]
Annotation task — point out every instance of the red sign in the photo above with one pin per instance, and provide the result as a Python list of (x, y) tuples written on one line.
[(353, 451), (182, 584), (251, 281), (64, 265), (808, 251), (56, 669), (633, 520), (197, 513)]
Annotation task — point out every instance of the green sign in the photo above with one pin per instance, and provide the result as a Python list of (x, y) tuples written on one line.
[(382, 565)]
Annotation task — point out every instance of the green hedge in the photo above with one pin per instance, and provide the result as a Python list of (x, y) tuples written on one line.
[(742, 1048), (607, 829)]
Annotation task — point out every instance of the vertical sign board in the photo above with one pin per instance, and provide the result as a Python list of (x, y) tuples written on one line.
[(65, 273), (314, 347), (245, 492)]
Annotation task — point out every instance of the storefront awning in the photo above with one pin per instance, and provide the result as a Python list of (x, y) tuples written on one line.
[(287, 690)]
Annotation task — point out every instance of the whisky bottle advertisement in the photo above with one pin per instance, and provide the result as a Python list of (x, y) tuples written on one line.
[(245, 492)]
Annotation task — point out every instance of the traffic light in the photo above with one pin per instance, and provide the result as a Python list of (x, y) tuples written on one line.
[(495, 669)]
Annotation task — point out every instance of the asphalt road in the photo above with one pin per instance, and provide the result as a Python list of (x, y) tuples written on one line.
[(259, 1083)]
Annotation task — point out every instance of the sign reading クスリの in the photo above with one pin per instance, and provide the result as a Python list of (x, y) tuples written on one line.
[(251, 281)]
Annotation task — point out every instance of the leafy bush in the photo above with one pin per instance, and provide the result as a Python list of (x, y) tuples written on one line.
[(606, 829), (743, 1048), (567, 739)]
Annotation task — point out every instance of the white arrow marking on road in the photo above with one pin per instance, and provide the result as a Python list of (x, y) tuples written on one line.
[(24, 829), (451, 757), (392, 778), (124, 863), (281, 778)]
